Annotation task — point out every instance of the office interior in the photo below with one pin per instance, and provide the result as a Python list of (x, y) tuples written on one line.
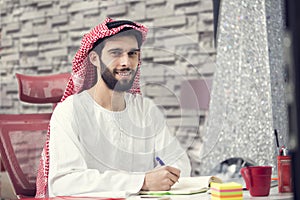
[(225, 73)]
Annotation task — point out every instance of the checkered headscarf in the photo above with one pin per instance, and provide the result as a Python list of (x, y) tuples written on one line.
[(83, 76)]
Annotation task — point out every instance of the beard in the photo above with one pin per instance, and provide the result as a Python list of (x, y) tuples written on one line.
[(114, 84)]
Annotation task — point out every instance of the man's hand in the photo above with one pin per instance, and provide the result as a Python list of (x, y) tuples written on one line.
[(161, 178)]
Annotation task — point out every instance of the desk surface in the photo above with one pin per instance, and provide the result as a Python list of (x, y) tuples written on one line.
[(204, 196), (274, 194), (246, 195)]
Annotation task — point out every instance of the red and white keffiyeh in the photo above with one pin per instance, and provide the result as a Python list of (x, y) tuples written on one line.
[(83, 75)]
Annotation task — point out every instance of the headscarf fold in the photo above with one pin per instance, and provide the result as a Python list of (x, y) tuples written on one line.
[(82, 78)]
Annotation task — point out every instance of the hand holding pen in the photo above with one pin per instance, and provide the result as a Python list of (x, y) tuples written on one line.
[(162, 178), (161, 162)]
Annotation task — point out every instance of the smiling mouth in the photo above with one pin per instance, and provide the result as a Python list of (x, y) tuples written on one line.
[(123, 72)]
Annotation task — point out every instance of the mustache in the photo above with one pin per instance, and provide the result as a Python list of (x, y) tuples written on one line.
[(122, 70)]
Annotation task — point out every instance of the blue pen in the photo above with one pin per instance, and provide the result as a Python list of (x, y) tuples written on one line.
[(160, 161)]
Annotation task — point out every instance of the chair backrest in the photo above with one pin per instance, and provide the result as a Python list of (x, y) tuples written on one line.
[(24, 118), (22, 136), (42, 88), (21, 142)]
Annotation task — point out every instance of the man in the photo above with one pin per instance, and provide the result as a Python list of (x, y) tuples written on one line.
[(103, 138)]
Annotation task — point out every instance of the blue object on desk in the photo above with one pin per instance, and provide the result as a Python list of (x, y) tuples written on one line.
[(160, 161)]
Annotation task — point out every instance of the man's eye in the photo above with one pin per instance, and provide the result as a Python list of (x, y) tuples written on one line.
[(116, 53), (133, 53)]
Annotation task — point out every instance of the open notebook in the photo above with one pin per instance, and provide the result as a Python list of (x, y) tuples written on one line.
[(187, 185)]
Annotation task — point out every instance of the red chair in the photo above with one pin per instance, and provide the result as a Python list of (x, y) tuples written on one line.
[(24, 118), (21, 145), (22, 136), (42, 89)]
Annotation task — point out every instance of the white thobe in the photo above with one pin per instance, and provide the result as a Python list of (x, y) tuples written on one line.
[(94, 150)]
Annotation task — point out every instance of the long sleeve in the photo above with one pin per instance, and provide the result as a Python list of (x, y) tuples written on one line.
[(69, 173), (93, 150)]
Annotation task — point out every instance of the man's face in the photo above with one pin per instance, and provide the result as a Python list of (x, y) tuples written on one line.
[(119, 61)]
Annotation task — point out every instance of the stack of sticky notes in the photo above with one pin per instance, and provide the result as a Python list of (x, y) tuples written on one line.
[(232, 191)]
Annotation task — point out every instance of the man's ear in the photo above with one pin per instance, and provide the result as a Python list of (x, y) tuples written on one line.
[(94, 58)]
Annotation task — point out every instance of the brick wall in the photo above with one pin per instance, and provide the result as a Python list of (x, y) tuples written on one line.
[(42, 36)]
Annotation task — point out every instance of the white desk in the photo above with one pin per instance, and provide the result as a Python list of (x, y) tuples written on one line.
[(274, 194), (204, 196)]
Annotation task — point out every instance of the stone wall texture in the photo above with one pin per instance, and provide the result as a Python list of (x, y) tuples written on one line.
[(41, 37)]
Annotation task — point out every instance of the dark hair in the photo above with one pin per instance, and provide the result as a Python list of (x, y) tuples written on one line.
[(127, 31)]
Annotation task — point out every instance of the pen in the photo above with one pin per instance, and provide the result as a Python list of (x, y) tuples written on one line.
[(277, 142), (160, 161)]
